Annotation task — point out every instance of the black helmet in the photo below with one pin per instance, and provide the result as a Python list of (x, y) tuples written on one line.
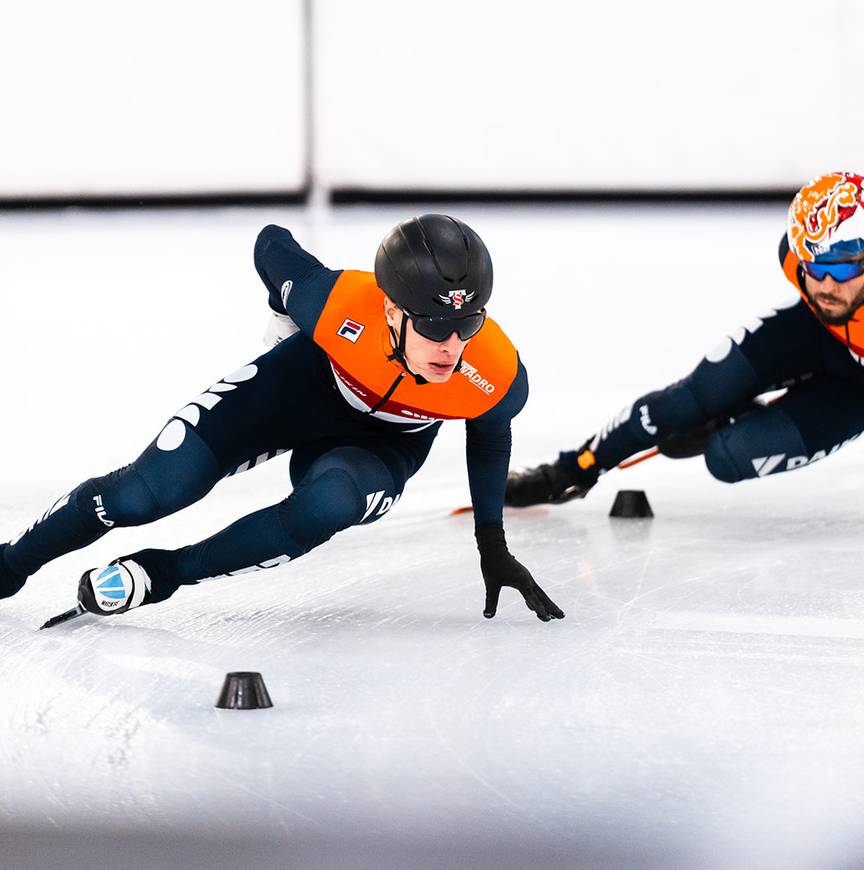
[(435, 265)]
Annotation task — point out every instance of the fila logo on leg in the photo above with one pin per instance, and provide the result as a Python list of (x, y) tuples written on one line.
[(351, 330), (101, 512)]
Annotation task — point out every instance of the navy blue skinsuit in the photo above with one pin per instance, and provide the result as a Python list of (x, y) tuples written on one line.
[(347, 467), (822, 410)]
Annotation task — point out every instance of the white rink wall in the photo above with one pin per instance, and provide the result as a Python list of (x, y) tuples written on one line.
[(584, 95), (104, 98)]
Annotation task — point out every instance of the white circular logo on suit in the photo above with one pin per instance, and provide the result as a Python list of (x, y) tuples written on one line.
[(174, 433)]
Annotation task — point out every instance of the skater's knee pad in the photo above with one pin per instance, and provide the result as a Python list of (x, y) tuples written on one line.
[(709, 391), (756, 445), (335, 499), (720, 463), (120, 499), (157, 484), (372, 482), (319, 508), (723, 381), (364, 466), (669, 410)]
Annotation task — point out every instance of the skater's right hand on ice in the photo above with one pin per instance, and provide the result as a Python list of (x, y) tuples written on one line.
[(500, 569)]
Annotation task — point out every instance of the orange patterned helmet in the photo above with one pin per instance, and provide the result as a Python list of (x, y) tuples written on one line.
[(826, 219)]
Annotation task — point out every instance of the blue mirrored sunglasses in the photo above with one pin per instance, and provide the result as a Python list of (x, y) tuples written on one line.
[(838, 271)]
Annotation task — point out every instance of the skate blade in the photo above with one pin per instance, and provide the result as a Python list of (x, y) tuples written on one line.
[(75, 612)]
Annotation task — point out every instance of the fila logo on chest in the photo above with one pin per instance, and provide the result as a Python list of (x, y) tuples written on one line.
[(350, 329)]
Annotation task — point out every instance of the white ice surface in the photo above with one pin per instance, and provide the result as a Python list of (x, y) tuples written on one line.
[(701, 707)]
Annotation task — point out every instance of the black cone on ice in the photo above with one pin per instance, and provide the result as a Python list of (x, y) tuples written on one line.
[(631, 503), (244, 690)]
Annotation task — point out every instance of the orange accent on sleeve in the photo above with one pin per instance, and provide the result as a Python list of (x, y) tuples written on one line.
[(586, 459)]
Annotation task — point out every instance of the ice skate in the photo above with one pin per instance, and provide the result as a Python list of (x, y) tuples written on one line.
[(119, 587), (570, 476)]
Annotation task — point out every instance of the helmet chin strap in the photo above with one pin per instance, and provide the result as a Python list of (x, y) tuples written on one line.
[(399, 349), (398, 354)]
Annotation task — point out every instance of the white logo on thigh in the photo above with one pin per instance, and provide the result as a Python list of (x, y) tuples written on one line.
[(376, 500), (645, 420), (764, 465), (286, 291), (173, 435), (261, 566), (622, 417), (722, 350), (60, 503)]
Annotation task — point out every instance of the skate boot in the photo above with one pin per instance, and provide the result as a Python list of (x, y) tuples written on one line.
[(124, 584), (569, 477), (127, 582), (10, 582)]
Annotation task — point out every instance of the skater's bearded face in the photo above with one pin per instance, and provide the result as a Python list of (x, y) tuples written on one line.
[(835, 301), (434, 360)]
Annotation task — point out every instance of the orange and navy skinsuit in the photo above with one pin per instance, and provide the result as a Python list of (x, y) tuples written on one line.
[(851, 333), (358, 426), (343, 313)]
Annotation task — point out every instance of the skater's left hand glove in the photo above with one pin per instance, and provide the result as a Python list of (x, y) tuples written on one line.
[(500, 569)]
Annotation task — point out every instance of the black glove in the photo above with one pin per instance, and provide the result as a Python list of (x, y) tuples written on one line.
[(499, 569)]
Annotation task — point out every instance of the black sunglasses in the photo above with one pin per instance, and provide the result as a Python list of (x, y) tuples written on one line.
[(441, 328)]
